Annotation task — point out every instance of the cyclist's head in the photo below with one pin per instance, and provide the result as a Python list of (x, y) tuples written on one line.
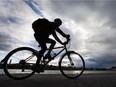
[(58, 21)]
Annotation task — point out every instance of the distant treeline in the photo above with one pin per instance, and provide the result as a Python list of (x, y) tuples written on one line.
[(28, 66)]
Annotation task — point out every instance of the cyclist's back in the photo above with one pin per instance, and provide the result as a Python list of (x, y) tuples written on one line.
[(43, 27)]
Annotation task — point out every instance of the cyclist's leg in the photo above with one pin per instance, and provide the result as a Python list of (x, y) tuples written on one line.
[(43, 49), (51, 46)]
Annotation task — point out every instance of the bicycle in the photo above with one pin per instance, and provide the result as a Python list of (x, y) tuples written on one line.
[(19, 62)]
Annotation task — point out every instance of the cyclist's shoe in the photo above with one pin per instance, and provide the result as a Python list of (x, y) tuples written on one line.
[(47, 58)]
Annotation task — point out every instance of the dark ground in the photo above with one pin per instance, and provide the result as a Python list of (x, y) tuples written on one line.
[(54, 80)]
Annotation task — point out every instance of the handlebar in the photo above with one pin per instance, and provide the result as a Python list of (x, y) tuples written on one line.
[(68, 39)]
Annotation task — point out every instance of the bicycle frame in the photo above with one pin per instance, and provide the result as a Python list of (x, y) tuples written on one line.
[(63, 48)]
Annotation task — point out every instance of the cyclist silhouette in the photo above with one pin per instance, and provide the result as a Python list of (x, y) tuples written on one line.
[(42, 36)]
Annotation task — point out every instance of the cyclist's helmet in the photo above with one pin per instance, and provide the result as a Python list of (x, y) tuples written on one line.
[(58, 21)]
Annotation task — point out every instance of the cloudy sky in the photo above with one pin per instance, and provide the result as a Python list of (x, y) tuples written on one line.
[(91, 24)]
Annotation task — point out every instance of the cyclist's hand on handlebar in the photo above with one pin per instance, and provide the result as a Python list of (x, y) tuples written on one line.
[(68, 37), (65, 43)]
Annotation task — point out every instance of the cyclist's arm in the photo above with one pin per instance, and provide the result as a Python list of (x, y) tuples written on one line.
[(67, 36), (56, 37), (61, 32)]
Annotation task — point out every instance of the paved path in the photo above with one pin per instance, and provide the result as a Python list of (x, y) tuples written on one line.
[(87, 80)]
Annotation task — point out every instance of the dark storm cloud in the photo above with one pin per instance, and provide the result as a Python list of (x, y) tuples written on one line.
[(106, 60), (11, 19), (5, 42), (76, 10), (109, 10)]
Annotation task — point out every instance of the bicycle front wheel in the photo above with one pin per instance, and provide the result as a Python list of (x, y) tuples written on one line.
[(71, 64), (18, 63)]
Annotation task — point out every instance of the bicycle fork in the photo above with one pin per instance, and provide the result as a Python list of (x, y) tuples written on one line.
[(71, 62)]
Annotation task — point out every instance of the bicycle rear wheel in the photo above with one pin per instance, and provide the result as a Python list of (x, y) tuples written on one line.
[(18, 63), (71, 64)]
